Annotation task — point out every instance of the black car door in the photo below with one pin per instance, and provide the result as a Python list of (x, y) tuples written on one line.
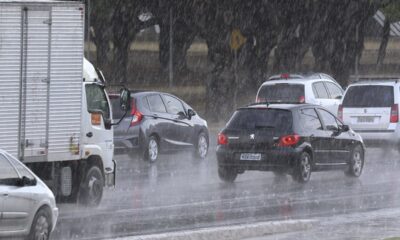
[(181, 127), (336, 143), (312, 129)]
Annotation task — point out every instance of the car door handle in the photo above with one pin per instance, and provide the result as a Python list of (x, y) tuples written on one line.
[(155, 116), (5, 194)]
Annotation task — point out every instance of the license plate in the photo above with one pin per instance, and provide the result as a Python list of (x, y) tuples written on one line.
[(365, 119), (250, 156)]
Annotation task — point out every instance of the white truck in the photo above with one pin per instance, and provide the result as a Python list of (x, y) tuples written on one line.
[(55, 115)]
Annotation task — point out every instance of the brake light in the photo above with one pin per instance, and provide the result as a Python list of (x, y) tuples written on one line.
[(285, 75), (259, 100), (394, 113), (302, 99), (222, 139), (340, 112), (289, 140), (137, 116)]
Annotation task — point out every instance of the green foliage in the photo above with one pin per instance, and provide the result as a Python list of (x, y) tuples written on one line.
[(392, 11)]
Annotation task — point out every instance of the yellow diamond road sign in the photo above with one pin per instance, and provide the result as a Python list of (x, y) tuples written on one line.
[(237, 39)]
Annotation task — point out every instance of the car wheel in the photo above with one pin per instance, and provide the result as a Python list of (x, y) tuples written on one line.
[(227, 174), (92, 189), (356, 163), (152, 150), (201, 146), (302, 171), (41, 226)]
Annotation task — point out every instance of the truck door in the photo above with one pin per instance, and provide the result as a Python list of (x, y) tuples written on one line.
[(35, 75)]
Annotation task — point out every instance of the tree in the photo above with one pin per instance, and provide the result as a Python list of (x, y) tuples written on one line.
[(392, 14)]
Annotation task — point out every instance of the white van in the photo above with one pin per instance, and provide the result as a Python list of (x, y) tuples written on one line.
[(371, 108), (318, 88)]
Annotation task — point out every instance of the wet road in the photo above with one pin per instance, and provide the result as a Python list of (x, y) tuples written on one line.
[(180, 192)]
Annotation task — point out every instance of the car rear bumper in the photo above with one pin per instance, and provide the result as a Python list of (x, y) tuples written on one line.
[(270, 161)]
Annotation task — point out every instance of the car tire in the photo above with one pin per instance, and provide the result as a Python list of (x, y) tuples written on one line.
[(201, 146), (91, 191), (227, 174), (356, 163), (41, 226), (152, 150), (302, 170)]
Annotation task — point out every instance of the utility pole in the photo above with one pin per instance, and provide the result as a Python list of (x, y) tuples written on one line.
[(171, 64)]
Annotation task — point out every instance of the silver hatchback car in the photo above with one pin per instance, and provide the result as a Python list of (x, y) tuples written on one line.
[(27, 206)]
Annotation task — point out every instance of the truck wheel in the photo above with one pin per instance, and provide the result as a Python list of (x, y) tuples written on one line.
[(302, 170), (92, 189), (227, 174), (41, 226), (201, 147)]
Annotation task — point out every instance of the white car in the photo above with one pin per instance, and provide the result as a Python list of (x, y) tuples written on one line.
[(371, 108), (317, 88), (27, 206)]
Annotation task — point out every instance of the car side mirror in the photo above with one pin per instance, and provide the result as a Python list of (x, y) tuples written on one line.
[(25, 181), (125, 99), (182, 115), (190, 113), (345, 128)]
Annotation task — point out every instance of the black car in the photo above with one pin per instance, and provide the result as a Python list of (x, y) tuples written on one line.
[(293, 139), (158, 122)]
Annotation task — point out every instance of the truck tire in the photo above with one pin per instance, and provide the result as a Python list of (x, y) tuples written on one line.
[(41, 226), (91, 190)]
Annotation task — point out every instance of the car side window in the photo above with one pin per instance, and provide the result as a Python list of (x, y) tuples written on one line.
[(329, 120), (7, 171), (156, 104), (320, 90), (174, 106), (334, 90), (310, 119), (23, 172)]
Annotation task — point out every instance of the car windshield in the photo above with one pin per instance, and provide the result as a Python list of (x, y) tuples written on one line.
[(282, 92), (369, 96), (277, 120)]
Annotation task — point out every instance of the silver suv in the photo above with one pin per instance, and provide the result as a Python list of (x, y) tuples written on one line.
[(318, 88), (371, 108)]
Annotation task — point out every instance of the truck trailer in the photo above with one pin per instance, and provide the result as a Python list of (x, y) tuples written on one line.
[(55, 115)]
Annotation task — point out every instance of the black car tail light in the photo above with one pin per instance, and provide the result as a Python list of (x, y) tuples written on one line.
[(222, 139), (289, 140)]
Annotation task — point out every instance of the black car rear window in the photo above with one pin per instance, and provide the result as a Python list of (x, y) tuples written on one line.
[(278, 120), (369, 96), (282, 92)]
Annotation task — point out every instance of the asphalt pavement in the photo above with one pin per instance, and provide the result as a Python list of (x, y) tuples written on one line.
[(182, 193)]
